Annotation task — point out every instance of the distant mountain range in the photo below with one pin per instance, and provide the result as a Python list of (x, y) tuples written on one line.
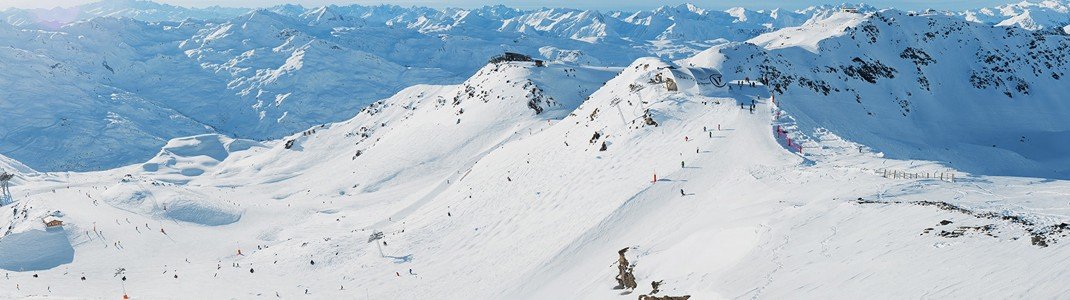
[(107, 84)]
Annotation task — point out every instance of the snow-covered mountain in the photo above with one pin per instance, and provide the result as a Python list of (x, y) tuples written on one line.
[(262, 74), (1049, 15), (856, 155), (533, 178), (983, 99), (122, 65), (136, 9)]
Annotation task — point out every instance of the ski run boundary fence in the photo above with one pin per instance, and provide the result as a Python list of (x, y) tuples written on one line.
[(899, 174)]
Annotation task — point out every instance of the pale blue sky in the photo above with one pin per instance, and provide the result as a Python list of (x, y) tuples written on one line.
[(583, 4)]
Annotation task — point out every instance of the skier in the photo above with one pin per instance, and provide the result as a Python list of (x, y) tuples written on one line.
[(622, 268), (682, 192), (681, 164)]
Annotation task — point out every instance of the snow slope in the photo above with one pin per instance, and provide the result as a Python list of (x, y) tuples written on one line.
[(842, 174), (263, 74), (499, 187), (982, 99), (110, 67)]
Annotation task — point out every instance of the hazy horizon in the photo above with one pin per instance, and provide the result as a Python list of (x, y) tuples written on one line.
[(528, 4)]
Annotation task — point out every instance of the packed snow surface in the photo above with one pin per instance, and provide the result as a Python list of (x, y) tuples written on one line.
[(504, 179), (878, 154)]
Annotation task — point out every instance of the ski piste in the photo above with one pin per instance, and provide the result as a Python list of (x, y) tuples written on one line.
[(523, 181)]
